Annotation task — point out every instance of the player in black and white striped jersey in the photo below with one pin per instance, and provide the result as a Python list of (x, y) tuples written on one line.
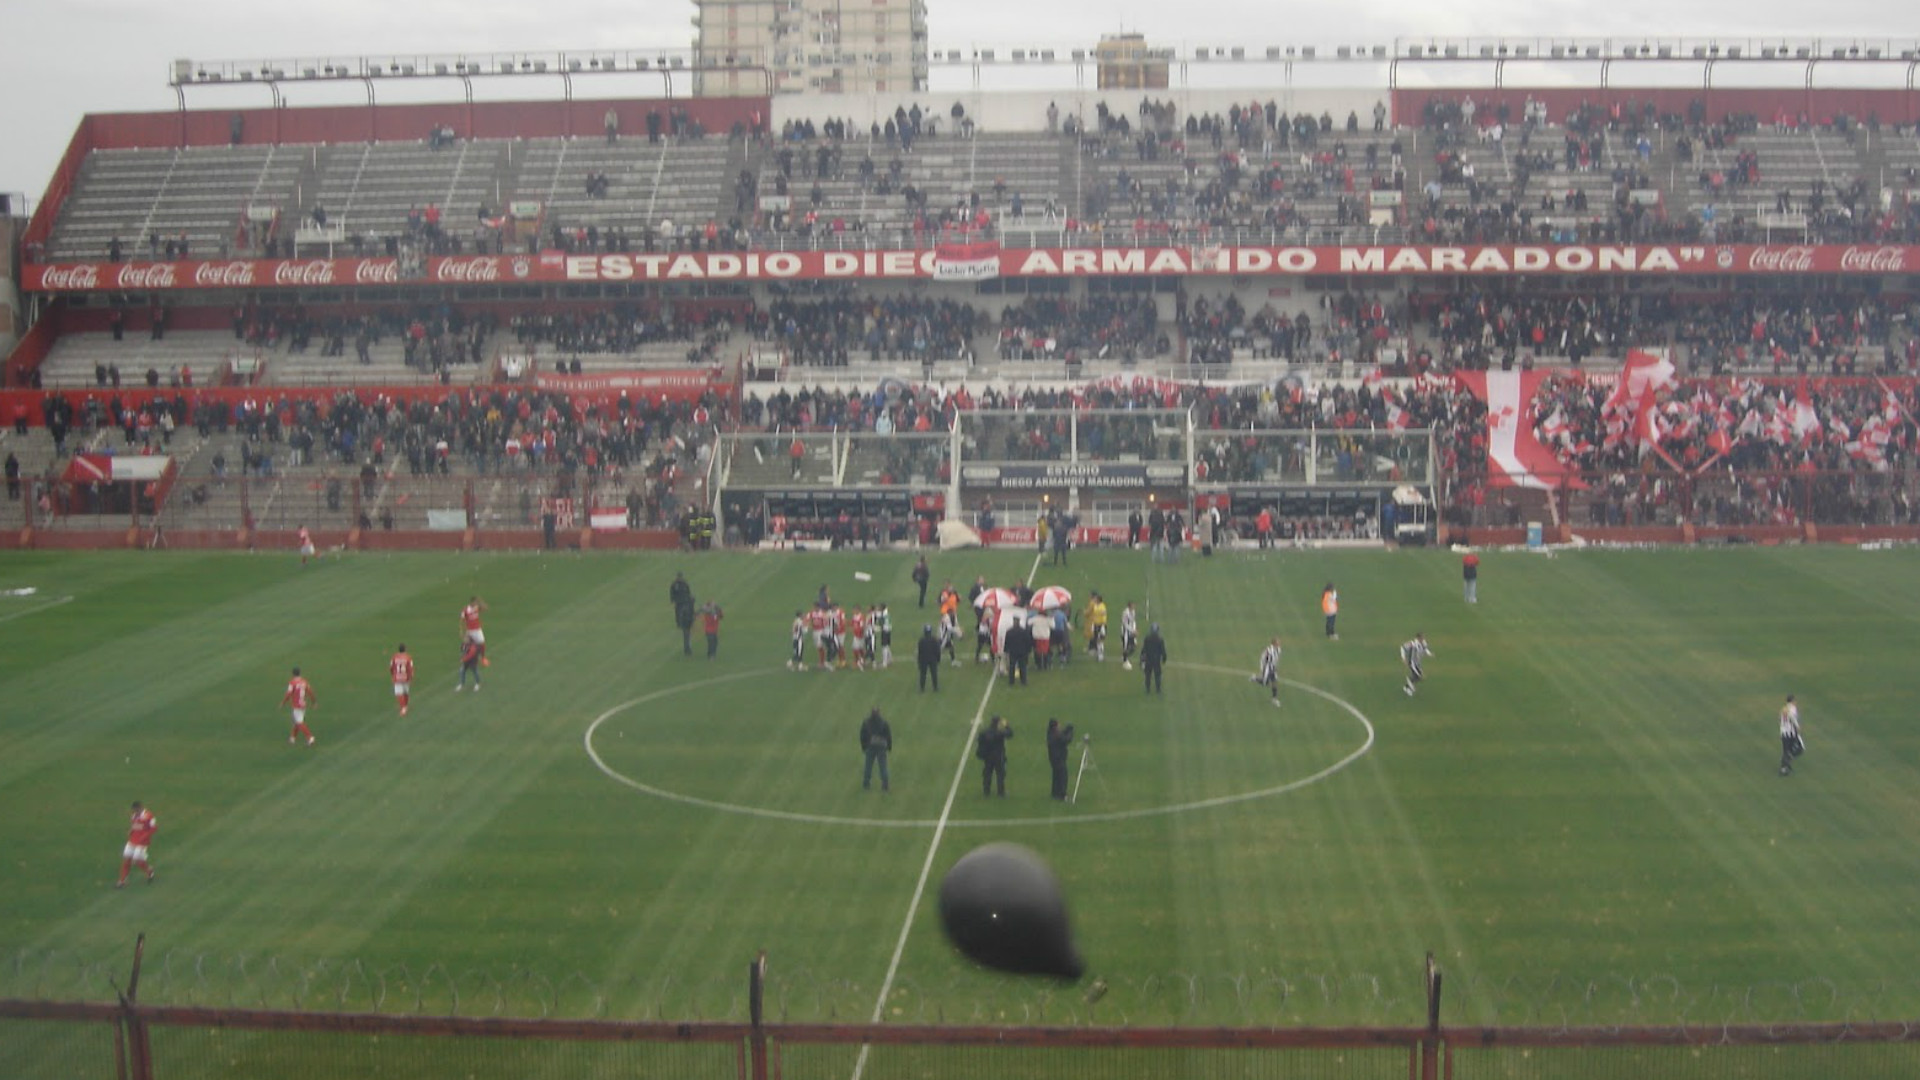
[(1413, 654), (1269, 675), (798, 660), (1790, 744), (1129, 636)]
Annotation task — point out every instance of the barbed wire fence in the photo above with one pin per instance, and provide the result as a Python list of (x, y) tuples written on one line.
[(1553, 1000)]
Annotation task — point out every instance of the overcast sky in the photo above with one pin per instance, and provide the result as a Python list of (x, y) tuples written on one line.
[(71, 57)]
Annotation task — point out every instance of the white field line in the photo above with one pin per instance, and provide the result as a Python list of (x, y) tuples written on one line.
[(35, 610), (933, 849)]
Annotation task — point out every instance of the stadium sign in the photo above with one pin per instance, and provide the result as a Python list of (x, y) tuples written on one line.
[(1026, 477), (983, 261)]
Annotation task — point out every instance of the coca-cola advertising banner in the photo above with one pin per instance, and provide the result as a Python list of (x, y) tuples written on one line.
[(1376, 260)]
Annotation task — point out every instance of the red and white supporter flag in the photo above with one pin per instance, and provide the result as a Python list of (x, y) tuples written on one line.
[(1515, 457), (975, 261)]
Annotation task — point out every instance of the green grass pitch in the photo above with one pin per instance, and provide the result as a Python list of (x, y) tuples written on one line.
[(1579, 813)]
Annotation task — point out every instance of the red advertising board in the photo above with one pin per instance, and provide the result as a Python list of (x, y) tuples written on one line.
[(1651, 260)]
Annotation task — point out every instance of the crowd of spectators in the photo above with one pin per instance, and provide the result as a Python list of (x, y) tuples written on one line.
[(1098, 327), (1799, 332), (836, 329), (627, 327), (1478, 326)]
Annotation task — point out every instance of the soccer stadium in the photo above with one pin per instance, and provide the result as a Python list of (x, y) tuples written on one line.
[(1421, 566)]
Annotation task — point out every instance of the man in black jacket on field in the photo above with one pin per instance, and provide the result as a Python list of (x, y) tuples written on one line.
[(928, 654), (921, 575), (1019, 647), (681, 594), (1059, 741), (1153, 657), (991, 748), (876, 738)]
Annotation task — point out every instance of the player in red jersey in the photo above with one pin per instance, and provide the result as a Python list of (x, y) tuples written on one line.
[(299, 696), (402, 668), (817, 622), (306, 545), (857, 637), (140, 830), (470, 632)]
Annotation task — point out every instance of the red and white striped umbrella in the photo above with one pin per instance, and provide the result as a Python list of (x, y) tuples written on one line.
[(1000, 598), (1053, 596)]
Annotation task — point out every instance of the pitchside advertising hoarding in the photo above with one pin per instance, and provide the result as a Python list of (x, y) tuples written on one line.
[(1038, 475), (932, 264)]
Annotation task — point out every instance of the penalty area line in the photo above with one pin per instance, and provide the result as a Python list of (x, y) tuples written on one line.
[(933, 849)]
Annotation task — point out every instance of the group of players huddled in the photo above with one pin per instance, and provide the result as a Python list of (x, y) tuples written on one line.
[(859, 638)]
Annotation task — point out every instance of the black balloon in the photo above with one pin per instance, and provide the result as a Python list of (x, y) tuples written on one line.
[(1002, 907)]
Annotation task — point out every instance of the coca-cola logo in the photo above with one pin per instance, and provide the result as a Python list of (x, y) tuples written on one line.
[(70, 277), (1791, 260), (382, 272), (224, 275), (148, 276), (1876, 260), (486, 268), (314, 272)]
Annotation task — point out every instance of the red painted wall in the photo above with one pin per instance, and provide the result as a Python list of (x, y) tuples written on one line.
[(1819, 105)]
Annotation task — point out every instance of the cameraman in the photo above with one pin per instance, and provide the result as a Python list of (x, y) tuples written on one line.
[(1059, 741)]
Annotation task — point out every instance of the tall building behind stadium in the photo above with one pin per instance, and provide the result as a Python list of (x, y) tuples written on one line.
[(810, 46)]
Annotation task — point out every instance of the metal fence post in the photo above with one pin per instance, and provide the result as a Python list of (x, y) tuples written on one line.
[(756, 1014), (1430, 1046), (139, 1049)]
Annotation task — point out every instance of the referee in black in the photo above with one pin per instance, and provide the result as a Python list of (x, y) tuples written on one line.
[(927, 653), (1153, 657)]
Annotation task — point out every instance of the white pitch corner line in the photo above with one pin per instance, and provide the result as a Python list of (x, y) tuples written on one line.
[(933, 849), (37, 609)]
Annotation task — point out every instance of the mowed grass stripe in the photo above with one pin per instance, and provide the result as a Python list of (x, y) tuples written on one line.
[(166, 665), (1673, 728), (344, 833)]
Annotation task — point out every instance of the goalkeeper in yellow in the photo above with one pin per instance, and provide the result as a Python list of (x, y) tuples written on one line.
[(1095, 620)]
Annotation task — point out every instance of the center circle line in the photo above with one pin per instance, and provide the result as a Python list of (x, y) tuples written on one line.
[(965, 823)]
